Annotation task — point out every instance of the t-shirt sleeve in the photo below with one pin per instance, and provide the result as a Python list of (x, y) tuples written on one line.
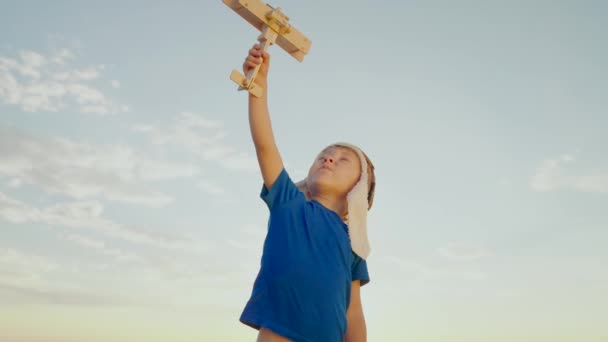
[(359, 270), (283, 190)]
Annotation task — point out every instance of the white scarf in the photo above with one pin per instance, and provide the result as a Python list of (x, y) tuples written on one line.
[(357, 206)]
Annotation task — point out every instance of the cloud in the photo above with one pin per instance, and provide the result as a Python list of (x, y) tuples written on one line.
[(201, 137), (411, 267), (416, 269), (60, 296), (554, 174), (462, 252), (254, 231), (72, 76), (180, 281), (14, 183), (248, 241), (239, 162), (101, 247), (82, 170), (245, 246), (61, 56), (211, 187), (218, 192), (38, 83), (89, 215), (23, 270), (30, 276), (189, 130)]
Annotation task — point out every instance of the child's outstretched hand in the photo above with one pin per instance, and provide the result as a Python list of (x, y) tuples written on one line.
[(255, 58)]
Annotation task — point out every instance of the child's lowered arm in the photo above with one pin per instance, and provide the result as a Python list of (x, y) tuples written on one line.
[(356, 327), (266, 149)]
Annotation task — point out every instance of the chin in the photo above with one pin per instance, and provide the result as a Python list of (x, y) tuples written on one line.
[(318, 182), (326, 187)]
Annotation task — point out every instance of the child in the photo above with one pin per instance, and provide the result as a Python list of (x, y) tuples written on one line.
[(313, 262)]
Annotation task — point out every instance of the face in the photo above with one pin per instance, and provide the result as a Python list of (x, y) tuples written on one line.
[(336, 170)]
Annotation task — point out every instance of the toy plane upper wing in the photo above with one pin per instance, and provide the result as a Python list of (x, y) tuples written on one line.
[(260, 14), (275, 28)]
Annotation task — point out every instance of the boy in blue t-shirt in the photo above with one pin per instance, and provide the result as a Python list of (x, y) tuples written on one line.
[(313, 262)]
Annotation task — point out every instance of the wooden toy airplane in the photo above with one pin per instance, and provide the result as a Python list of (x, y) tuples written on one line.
[(275, 28)]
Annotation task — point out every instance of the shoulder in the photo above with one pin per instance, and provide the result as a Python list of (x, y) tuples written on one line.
[(282, 192)]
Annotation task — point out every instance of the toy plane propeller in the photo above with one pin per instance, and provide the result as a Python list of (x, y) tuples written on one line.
[(275, 28)]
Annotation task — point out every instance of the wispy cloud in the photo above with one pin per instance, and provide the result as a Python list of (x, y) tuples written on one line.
[(416, 269), (102, 248), (38, 83), (82, 170), (462, 252), (24, 275), (211, 187), (200, 136), (555, 174), (54, 295), (250, 246), (254, 230), (19, 269), (14, 183), (27, 275), (30, 278), (408, 267), (89, 215)]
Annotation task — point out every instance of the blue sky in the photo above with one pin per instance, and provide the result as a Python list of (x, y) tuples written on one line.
[(129, 206)]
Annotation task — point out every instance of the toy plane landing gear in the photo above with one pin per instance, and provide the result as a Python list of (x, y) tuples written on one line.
[(275, 29)]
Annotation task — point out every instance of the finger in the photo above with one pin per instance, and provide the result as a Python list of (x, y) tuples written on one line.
[(257, 60), (249, 64), (256, 48), (252, 60), (255, 53)]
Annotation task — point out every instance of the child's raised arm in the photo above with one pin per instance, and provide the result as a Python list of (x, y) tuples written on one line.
[(266, 149)]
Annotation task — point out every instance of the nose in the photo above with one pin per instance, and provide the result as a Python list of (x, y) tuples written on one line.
[(328, 160)]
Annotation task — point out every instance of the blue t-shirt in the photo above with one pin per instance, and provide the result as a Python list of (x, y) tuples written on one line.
[(302, 290)]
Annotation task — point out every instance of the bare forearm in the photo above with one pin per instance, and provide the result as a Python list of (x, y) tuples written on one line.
[(259, 121), (266, 149), (357, 330)]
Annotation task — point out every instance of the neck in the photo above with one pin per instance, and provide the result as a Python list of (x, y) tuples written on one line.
[(338, 205)]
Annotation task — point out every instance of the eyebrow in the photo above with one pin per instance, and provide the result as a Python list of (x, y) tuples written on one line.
[(350, 153)]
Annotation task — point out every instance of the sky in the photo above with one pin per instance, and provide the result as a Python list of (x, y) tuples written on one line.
[(129, 188)]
